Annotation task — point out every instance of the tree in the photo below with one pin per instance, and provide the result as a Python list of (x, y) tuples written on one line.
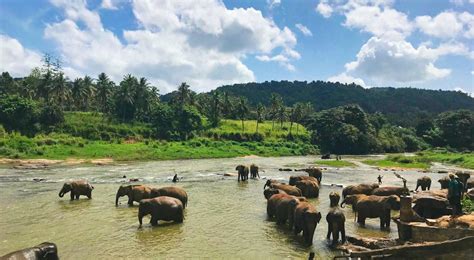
[(260, 114), (183, 96), (457, 128), (60, 90), (19, 114), (88, 90), (276, 102), (189, 120), (228, 106), (104, 87), (242, 110), (125, 98), (296, 112), (281, 114), (215, 109)]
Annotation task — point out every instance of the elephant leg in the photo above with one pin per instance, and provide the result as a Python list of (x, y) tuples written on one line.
[(72, 195), (297, 230), (417, 186), (77, 196), (343, 232), (130, 200), (328, 236), (89, 195), (429, 186), (335, 236), (361, 219), (154, 221)]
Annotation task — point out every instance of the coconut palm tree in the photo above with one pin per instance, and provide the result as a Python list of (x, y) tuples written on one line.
[(242, 110), (104, 87), (60, 89), (260, 114)]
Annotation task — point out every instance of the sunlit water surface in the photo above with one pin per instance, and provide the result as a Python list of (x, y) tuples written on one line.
[(224, 218)]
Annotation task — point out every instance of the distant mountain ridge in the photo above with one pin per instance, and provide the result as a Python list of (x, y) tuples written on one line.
[(398, 104)]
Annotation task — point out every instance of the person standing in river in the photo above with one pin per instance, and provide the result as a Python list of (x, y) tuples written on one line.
[(454, 194), (380, 179), (175, 178)]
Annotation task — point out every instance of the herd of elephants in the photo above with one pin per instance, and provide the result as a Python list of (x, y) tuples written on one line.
[(287, 204)]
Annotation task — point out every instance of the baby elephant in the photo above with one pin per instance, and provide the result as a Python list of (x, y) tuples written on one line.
[(43, 251), (336, 219), (161, 208), (306, 218), (77, 188)]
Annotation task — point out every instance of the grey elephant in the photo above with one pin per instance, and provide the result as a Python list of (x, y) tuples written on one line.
[(134, 193), (377, 207), (353, 200), (175, 192), (359, 189), (306, 219), (43, 251), (309, 188), (390, 190), (431, 205), (294, 179), (77, 188), (291, 190), (254, 171), (315, 172), (161, 208), (243, 172), (336, 220), (278, 206), (423, 182), (444, 182), (268, 193), (463, 177)]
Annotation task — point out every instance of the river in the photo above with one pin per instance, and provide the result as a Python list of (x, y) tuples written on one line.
[(224, 218)]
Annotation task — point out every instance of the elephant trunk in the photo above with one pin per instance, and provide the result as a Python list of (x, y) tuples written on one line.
[(117, 199), (264, 186), (61, 193), (343, 202)]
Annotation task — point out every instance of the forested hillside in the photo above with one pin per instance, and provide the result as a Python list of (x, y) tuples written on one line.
[(401, 105)]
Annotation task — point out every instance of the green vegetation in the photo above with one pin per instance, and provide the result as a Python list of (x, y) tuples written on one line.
[(467, 205), (424, 159), (335, 163), (47, 114)]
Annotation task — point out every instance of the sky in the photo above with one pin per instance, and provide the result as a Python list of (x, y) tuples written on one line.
[(209, 43)]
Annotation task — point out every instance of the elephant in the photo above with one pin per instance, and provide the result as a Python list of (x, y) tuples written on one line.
[(463, 176), (377, 207), (353, 200), (268, 193), (43, 251), (423, 182), (427, 206), (334, 198), (326, 156), (315, 172), (77, 188), (277, 205), (444, 182), (175, 192), (336, 224), (294, 179), (254, 171), (309, 189), (290, 190), (390, 190), (243, 172), (305, 219), (359, 189), (161, 208), (134, 193), (470, 184)]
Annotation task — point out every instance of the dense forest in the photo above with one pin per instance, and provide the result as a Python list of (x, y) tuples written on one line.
[(336, 118), (402, 106)]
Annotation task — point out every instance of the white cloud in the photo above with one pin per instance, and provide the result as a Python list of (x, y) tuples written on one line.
[(471, 94), (108, 4), (304, 29), (273, 3), (398, 61), (16, 59), (200, 42), (344, 78), (324, 9), (444, 25)]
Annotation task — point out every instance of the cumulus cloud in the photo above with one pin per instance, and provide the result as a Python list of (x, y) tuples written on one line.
[(324, 9), (108, 4), (303, 29), (399, 61), (444, 25), (16, 59), (273, 3), (344, 78), (200, 42)]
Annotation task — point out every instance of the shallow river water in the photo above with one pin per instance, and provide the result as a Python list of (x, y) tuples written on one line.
[(224, 218)]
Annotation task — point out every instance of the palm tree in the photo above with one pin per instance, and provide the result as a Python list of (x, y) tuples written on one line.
[(88, 90), (242, 110), (126, 96), (60, 89), (227, 108), (104, 88), (295, 115), (281, 114), (215, 109), (77, 92), (184, 95), (260, 112), (276, 104)]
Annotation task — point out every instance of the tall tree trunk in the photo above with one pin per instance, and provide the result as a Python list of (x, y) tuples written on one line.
[(257, 127), (243, 126), (273, 124), (297, 129), (291, 126)]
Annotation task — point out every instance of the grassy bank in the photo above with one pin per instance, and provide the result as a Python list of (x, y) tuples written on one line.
[(335, 163), (424, 159), (61, 146)]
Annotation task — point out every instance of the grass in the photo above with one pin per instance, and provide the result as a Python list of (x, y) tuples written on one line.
[(228, 127), (335, 163), (424, 159), (467, 205)]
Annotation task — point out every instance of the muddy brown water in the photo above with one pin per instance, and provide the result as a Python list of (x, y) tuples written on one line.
[(224, 218)]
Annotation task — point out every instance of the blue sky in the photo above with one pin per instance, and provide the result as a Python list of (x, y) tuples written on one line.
[(208, 43)]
